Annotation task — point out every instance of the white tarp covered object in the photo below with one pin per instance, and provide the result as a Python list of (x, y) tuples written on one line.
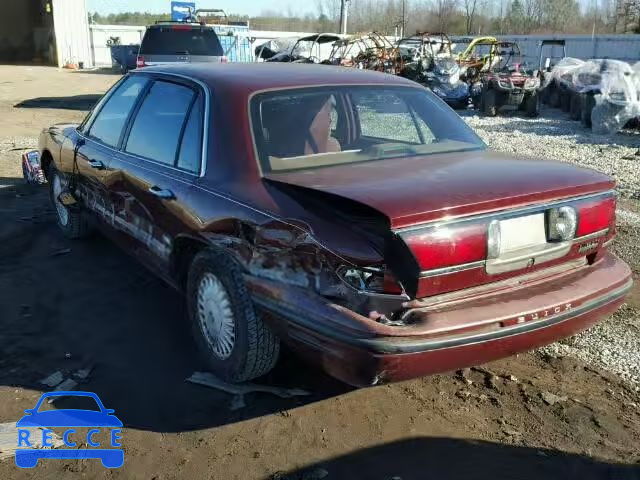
[(614, 83)]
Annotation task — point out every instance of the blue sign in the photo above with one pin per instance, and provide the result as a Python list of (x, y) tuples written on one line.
[(27, 457), (180, 11)]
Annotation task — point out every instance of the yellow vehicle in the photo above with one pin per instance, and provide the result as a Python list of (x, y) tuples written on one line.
[(481, 54), (470, 51)]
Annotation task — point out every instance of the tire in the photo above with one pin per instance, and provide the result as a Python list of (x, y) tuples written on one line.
[(565, 101), (489, 103), (544, 95), (554, 98), (70, 221), (218, 299), (587, 102), (575, 112), (531, 105)]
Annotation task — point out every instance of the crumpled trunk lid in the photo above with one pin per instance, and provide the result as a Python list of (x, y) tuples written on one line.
[(414, 190)]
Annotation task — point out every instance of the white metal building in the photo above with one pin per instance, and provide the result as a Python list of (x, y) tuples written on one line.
[(49, 32)]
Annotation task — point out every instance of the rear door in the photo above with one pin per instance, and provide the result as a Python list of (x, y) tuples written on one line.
[(180, 43), (160, 160)]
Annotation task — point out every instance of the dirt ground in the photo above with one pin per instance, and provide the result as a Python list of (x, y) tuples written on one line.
[(67, 305)]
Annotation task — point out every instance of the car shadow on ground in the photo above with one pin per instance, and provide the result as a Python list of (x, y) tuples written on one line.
[(67, 305), (75, 102), (454, 459)]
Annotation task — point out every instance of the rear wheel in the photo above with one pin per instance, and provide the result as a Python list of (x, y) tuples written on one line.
[(554, 97), (576, 107), (231, 335), (587, 104), (70, 220), (565, 101), (489, 103)]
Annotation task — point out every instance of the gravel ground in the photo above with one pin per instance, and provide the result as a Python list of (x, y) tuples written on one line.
[(615, 343), (554, 136)]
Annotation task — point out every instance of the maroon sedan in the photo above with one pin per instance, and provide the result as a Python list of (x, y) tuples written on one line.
[(350, 214)]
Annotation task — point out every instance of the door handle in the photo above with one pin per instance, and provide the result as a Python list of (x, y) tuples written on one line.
[(161, 192), (96, 164)]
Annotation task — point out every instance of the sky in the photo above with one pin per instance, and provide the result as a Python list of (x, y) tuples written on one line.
[(243, 7)]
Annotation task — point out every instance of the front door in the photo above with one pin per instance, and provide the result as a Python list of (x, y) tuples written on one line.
[(97, 145)]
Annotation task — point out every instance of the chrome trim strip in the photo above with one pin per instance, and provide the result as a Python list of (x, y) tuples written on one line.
[(598, 234), (506, 213), (317, 323), (607, 243), (453, 269)]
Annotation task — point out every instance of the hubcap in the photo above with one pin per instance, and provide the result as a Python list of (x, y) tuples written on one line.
[(63, 214), (215, 316)]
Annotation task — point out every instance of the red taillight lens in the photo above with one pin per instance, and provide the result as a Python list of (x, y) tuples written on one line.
[(140, 61), (448, 246), (596, 215)]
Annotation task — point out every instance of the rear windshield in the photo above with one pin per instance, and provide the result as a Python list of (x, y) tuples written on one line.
[(316, 127), (181, 40)]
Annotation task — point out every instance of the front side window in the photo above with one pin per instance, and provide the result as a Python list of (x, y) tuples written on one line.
[(321, 126), (110, 120), (157, 127)]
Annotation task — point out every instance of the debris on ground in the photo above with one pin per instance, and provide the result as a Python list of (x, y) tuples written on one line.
[(240, 389), (61, 384), (53, 380), (62, 251), (551, 398), (9, 435)]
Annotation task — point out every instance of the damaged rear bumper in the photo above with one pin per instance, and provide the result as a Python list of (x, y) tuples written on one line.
[(447, 336)]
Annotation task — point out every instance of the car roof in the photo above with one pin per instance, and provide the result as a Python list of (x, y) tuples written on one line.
[(251, 77)]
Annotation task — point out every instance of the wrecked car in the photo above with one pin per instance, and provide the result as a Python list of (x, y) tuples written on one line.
[(427, 58), (341, 212), (305, 50), (369, 51), (479, 56), (507, 82)]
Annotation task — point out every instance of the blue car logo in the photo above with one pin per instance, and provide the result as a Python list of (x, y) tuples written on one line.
[(69, 418)]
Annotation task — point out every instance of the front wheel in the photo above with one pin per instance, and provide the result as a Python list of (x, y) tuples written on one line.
[(233, 339), (70, 220), (532, 105), (575, 112)]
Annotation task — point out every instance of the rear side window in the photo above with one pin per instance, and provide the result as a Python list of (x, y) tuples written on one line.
[(109, 122), (191, 147), (181, 40), (155, 132)]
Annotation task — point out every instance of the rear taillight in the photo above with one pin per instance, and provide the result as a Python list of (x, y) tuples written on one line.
[(596, 215), (140, 61), (447, 246), (224, 59)]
